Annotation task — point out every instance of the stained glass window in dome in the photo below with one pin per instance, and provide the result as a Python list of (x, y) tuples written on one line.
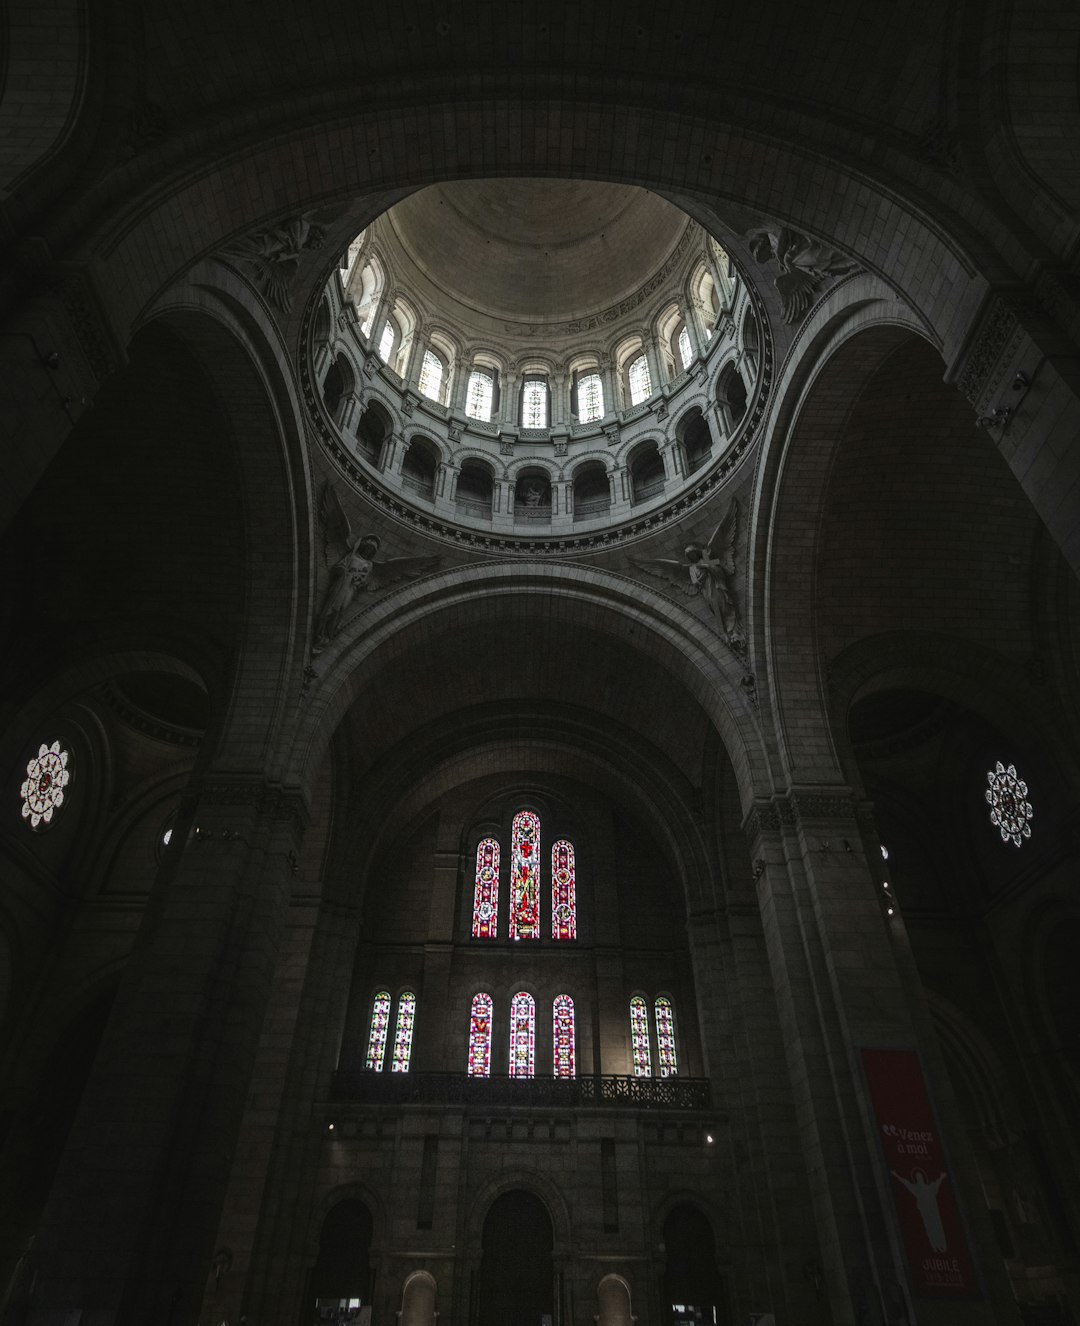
[(563, 900), (480, 1036), (640, 380), (481, 395), (665, 1037), (563, 1036), (686, 354), (42, 792), (1010, 810), (534, 403), (525, 876), (639, 1037), (431, 376), (485, 914), (406, 1016), (522, 1035), (380, 1026), (590, 398), (386, 342)]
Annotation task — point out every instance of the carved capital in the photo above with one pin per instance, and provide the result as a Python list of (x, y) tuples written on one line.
[(995, 342)]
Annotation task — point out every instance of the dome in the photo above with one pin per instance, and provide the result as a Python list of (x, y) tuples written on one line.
[(536, 250)]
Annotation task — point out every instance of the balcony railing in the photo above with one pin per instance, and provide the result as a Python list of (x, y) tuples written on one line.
[(640, 1093)]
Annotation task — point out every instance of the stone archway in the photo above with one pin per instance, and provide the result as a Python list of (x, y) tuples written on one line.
[(517, 1270)]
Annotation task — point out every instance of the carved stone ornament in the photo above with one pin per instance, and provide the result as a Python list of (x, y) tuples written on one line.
[(274, 255), (994, 336), (355, 568), (561, 445), (706, 571), (803, 265)]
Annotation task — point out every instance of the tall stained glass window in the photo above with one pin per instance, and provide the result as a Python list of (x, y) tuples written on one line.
[(686, 354), (525, 876), (523, 1035), (406, 1016), (386, 342), (480, 397), (563, 901), (563, 1038), (639, 1037), (534, 403), (380, 1025), (590, 398), (485, 912), (431, 375), (480, 1036), (640, 380), (665, 1037)]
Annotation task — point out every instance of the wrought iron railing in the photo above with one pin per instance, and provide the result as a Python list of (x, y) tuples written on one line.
[(643, 1093)]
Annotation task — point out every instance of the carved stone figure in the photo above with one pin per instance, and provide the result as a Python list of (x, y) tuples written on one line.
[(802, 263), (706, 570), (275, 255), (355, 569)]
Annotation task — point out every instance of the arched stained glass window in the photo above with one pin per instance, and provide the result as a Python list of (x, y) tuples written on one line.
[(525, 876), (590, 398), (563, 900), (431, 376), (563, 1039), (380, 1025), (686, 354), (640, 380), (665, 1037), (480, 1036), (534, 403), (485, 912), (481, 395), (639, 1037), (386, 341), (523, 1035), (406, 1016)]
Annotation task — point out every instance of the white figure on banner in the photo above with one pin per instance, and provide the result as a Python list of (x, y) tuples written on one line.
[(925, 1193)]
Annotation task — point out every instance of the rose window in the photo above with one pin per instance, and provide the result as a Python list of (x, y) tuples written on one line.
[(43, 791), (1010, 810)]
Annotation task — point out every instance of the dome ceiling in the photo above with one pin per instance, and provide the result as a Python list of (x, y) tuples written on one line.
[(537, 250)]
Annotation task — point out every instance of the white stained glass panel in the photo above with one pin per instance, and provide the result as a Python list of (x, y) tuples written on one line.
[(640, 381), (386, 342), (480, 396), (534, 404), (685, 352), (590, 398), (431, 376)]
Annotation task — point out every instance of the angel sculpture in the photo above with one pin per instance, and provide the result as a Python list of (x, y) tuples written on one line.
[(706, 570), (803, 264), (358, 568), (275, 255)]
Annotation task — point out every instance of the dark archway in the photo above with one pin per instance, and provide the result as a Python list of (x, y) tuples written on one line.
[(341, 1279), (693, 1291), (517, 1273)]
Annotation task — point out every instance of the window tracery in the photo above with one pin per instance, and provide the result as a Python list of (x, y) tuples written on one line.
[(640, 380), (563, 891), (403, 1033), (563, 1037), (431, 376), (485, 917), (534, 403), (590, 397), (380, 1025), (1010, 810), (525, 876), (639, 1037), (480, 396), (42, 791), (522, 1035), (479, 1063)]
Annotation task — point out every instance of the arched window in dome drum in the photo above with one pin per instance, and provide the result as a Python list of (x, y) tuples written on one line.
[(485, 915), (480, 397), (386, 341), (588, 403), (403, 1033), (479, 1063), (686, 353), (431, 376), (525, 876), (534, 401), (640, 380), (639, 1037), (523, 1035), (380, 1025), (665, 1037), (563, 891), (563, 1036)]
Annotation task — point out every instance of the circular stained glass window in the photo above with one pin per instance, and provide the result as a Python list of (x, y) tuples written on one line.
[(47, 774), (1010, 810)]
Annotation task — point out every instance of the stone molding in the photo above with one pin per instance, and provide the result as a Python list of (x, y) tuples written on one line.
[(796, 809), (980, 371), (74, 287), (267, 799)]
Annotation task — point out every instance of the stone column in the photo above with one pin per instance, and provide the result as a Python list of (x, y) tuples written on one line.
[(671, 452), (128, 1232), (349, 411), (393, 453)]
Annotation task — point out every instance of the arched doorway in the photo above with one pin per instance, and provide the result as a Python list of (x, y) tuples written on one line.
[(517, 1273), (341, 1280), (693, 1291)]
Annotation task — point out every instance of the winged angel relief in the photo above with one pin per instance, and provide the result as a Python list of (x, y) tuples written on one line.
[(705, 571), (355, 569)]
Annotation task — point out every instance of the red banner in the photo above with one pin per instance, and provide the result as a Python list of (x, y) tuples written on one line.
[(922, 1189)]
